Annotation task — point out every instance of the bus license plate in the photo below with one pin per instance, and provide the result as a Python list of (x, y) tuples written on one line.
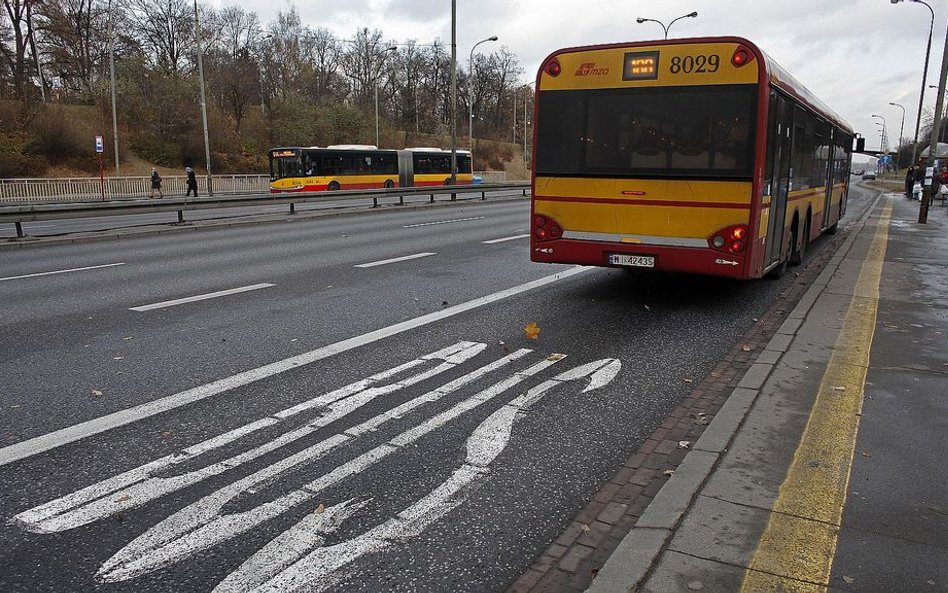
[(637, 261)]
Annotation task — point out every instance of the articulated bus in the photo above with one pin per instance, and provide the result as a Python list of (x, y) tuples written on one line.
[(695, 155), (363, 167)]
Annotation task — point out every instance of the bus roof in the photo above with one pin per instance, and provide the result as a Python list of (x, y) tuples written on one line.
[(771, 71)]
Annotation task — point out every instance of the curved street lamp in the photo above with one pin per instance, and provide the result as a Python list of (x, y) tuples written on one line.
[(470, 95), (921, 96), (882, 142), (690, 15), (898, 154)]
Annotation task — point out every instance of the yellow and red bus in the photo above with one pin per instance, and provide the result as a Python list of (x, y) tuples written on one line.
[(694, 155), (295, 169)]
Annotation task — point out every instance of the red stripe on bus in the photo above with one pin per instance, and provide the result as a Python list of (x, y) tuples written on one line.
[(674, 203)]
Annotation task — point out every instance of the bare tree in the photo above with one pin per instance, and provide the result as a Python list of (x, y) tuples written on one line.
[(165, 30), (20, 56), (75, 40)]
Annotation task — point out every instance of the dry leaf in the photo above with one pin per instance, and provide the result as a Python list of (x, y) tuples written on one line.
[(555, 356), (687, 380), (167, 434), (128, 338), (668, 472), (123, 498), (746, 348), (647, 308), (839, 388), (866, 454), (532, 330), (96, 392), (586, 528), (684, 444), (849, 580), (320, 509)]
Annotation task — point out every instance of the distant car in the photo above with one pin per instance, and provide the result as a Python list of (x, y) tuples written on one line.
[(477, 180), (869, 175), (858, 172)]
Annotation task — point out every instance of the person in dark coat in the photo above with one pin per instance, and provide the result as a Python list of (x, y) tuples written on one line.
[(192, 182), (155, 184), (920, 175), (909, 181)]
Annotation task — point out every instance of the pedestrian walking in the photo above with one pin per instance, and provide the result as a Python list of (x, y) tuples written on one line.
[(155, 183), (909, 181), (192, 182), (919, 184)]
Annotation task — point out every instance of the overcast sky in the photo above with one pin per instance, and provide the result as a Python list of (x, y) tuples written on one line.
[(856, 55)]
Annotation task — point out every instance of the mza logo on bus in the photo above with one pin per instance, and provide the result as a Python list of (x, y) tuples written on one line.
[(589, 69)]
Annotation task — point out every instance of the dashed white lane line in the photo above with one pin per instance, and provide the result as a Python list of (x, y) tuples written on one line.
[(62, 271), (413, 226), (503, 239), (76, 432), (200, 297), (394, 260)]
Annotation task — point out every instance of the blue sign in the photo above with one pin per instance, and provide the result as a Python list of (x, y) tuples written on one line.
[(98, 144)]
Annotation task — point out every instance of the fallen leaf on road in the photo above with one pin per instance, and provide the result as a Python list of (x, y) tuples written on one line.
[(866, 454), (687, 380), (746, 348), (647, 308), (849, 580), (123, 498), (167, 434), (839, 388), (532, 330), (684, 444), (320, 509), (128, 338), (586, 528), (555, 356), (668, 472), (96, 392)]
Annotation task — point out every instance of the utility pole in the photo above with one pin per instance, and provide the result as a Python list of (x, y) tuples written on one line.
[(936, 130), (112, 75), (454, 95), (207, 146)]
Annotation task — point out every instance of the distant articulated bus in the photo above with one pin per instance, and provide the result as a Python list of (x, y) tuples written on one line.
[(694, 155), (363, 167)]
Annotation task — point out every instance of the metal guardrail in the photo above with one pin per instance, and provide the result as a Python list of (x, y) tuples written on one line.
[(86, 189), (18, 214), (89, 189)]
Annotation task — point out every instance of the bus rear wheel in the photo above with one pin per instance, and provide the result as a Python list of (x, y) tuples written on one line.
[(448, 181), (389, 184), (333, 186), (798, 255)]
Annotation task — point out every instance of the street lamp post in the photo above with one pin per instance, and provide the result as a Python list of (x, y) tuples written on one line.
[(454, 95), (690, 15), (898, 155), (112, 76), (207, 146), (936, 128), (378, 73), (470, 95), (921, 96), (881, 142)]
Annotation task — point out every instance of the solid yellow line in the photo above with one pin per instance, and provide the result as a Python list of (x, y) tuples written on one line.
[(795, 553)]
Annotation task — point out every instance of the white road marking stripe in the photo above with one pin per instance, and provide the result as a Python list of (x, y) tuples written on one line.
[(201, 526), (295, 560), (394, 260), (38, 274), (414, 226), (513, 238), (201, 297), (76, 432), (147, 482)]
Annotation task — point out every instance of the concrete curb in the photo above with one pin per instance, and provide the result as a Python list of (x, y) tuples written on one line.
[(225, 223), (630, 563)]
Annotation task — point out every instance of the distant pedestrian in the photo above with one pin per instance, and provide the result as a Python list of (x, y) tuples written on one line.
[(192, 182), (919, 185), (155, 183), (909, 181)]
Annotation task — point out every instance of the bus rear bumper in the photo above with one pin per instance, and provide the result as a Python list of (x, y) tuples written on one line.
[(688, 260)]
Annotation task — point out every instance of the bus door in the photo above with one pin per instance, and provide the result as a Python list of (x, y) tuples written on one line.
[(831, 174), (406, 169), (781, 153)]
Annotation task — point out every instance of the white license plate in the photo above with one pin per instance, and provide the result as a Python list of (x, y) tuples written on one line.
[(637, 261)]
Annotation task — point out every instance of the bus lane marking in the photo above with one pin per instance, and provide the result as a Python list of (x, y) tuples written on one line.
[(203, 525), (76, 432), (148, 482), (296, 561), (200, 297), (421, 224), (797, 548), (70, 270), (394, 260), (504, 239)]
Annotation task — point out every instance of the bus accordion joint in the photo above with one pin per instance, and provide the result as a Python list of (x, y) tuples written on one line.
[(546, 229), (730, 240)]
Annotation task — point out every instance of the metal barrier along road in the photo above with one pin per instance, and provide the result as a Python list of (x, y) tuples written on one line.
[(87, 189), (18, 214)]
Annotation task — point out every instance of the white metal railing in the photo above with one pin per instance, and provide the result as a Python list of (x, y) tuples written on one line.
[(91, 189)]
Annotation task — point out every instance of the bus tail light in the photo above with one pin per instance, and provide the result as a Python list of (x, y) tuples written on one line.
[(742, 55), (553, 67), (730, 240), (546, 229)]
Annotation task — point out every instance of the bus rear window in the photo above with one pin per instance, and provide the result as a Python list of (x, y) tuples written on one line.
[(702, 131)]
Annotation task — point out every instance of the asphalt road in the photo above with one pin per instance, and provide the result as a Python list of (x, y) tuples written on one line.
[(339, 423)]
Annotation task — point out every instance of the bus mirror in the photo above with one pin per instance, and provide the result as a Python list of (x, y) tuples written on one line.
[(860, 144)]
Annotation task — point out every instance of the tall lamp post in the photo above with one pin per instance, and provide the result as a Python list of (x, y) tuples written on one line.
[(690, 15), (881, 142), (112, 76), (470, 95), (378, 73), (898, 154), (921, 95), (454, 95), (207, 146)]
